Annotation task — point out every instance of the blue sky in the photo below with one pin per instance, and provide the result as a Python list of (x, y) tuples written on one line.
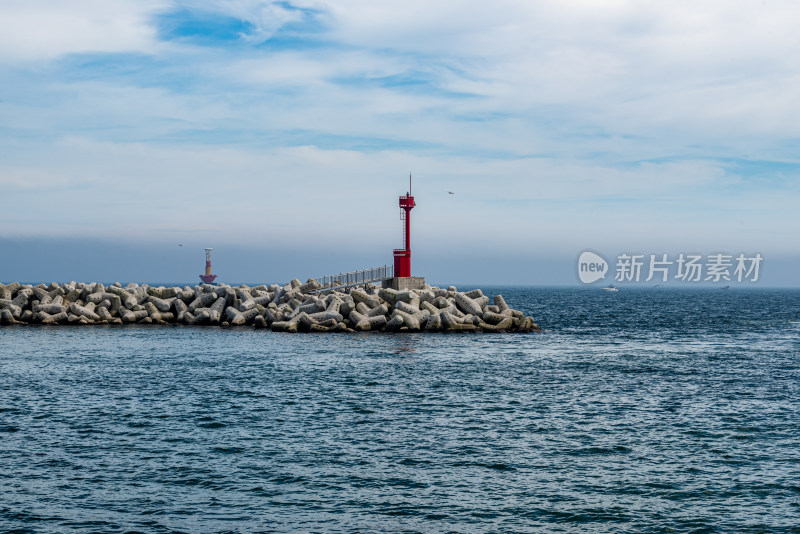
[(289, 128)]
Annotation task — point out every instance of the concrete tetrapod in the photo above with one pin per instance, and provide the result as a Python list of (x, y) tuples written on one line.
[(292, 307)]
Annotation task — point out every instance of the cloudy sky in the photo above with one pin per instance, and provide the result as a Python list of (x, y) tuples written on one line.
[(281, 133)]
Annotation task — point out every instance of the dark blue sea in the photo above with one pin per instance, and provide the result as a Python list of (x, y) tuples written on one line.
[(647, 410)]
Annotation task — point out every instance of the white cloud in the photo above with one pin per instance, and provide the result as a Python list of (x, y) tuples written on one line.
[(306, 195), (559, 104), (43, 30), (709, 65)]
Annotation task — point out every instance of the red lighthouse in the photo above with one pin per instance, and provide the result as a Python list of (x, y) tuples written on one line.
[(208, 278), (402, 256), (402, 278)]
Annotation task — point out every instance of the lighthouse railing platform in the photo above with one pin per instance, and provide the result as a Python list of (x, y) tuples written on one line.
[(354, 278)]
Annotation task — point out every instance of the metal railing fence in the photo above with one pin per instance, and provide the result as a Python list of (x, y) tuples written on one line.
[(355, 278)]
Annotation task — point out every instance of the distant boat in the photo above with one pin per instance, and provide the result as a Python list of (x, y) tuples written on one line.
[(610, 288), (726, 287)]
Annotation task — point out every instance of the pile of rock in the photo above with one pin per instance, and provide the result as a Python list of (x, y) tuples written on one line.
[(294, 307)]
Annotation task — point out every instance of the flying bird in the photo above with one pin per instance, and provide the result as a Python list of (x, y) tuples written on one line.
[(180, 244)]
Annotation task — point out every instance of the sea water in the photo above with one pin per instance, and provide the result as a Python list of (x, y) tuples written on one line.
[(646, 410)]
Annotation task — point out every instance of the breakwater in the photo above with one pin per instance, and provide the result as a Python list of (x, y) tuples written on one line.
[(293, 307)]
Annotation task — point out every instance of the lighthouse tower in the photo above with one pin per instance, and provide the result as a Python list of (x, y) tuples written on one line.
[(208, 278), (402, 256)]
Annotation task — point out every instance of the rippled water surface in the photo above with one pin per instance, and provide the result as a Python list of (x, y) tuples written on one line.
[(638, 411)]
